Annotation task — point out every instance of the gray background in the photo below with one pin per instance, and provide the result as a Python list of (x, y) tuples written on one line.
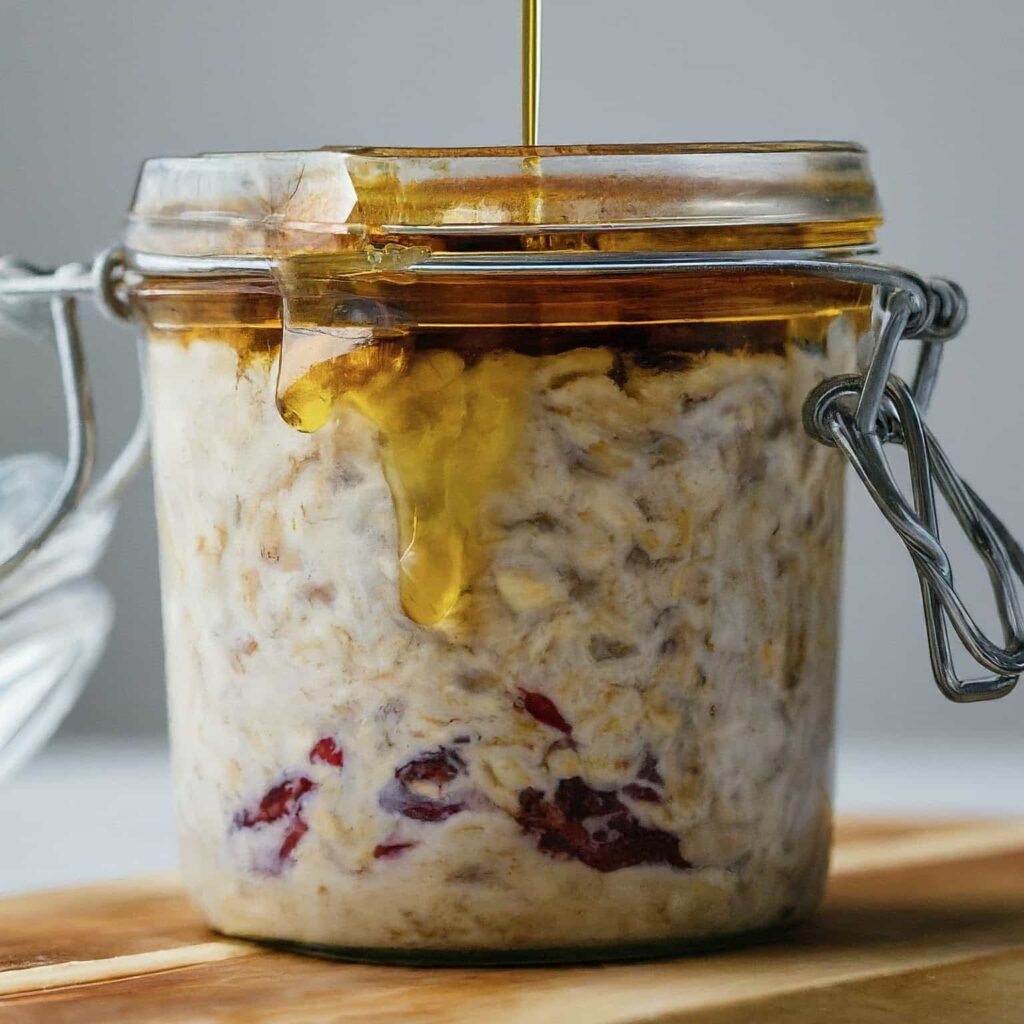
[(88, 89)]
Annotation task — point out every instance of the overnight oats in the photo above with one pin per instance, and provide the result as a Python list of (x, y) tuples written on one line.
[(500, 607)]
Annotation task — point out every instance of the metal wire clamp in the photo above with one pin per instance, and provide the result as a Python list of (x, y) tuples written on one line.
[(859, 415), (22, 287)]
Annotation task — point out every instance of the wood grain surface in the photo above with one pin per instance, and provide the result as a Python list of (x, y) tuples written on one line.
[(924, 921)]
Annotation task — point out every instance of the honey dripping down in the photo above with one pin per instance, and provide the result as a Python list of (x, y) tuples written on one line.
[(448, 432)]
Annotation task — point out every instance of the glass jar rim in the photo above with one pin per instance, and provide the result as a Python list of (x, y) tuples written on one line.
[(697, 196)]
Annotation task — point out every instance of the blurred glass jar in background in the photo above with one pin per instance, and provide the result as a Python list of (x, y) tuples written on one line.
[(55, 524)]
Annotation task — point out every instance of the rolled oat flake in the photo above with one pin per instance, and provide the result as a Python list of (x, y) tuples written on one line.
[(500, 517)]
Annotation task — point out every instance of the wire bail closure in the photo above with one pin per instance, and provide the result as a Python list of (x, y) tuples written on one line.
[(22, 287), (859, 415)]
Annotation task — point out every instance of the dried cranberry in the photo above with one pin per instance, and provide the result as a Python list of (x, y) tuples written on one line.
[(595, 827), (579, 801), (296, 830), (282, 801), (434, 810), (389, 851), (327, 751), (396, 799), (543, 709), (435, 768), (438, 766)]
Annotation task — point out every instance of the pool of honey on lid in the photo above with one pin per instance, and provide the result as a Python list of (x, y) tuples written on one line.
[(443, 369)]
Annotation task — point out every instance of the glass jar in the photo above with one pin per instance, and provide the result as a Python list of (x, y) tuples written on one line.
[(55, 523), (500, 604), (500, 530)]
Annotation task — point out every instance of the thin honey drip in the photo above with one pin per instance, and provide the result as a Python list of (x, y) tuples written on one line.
[(448, 436)]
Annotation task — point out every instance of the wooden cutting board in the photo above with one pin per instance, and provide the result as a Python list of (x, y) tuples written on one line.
[(924, 922)]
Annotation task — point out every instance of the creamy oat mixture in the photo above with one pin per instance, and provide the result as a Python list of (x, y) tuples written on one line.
[(586, 699)]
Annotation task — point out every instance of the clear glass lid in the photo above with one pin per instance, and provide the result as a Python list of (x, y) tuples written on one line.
[(695, 196)]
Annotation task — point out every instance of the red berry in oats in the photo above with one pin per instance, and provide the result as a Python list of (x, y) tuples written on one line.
[(543, 709), (296, 830), (436, 766), (389, 851), (396, 799), (282, 801), (327, 751), (431, 810), (594, 827), (280, 804), (419, 788)]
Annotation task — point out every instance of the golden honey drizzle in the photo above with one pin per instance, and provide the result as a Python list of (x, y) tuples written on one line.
[(448, 435)]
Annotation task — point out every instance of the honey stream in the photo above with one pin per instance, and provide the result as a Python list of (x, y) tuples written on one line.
[(531, 70)]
